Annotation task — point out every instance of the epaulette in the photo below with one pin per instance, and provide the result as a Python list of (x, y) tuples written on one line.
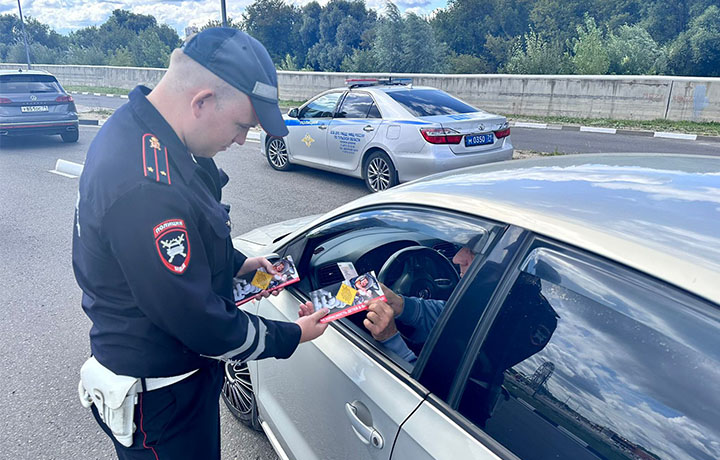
[(155, 160)]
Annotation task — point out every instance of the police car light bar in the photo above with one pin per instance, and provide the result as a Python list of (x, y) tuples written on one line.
[(358, 82)]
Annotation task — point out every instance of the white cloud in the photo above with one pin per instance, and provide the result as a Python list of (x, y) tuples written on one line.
[(67, 15)]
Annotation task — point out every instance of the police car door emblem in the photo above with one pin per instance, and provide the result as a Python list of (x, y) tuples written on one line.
[(173, 245), (308, 140)]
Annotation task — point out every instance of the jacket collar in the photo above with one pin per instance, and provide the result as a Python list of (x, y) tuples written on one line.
[(148, 116)]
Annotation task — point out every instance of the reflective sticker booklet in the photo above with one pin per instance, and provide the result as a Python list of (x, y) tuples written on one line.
[(251, 285), (348, 297)]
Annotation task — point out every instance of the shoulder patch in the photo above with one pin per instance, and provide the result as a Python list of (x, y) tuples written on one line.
[(173, 245), (155, 159)]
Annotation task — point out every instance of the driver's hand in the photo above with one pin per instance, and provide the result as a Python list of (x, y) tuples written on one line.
[(380, 320), (306, 309), (395, 301)]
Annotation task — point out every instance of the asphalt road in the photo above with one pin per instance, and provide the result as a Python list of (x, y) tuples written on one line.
[(43, 331)]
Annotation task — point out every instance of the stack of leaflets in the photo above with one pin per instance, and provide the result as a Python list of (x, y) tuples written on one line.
[(251, 285), (351, 296)]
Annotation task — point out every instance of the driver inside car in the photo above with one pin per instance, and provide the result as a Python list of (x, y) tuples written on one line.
[(414, 316)]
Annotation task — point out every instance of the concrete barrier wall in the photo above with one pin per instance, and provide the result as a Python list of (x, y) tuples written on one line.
[(582, 96)]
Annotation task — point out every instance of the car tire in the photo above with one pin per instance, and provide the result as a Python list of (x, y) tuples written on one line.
[(70, 136), (379, 172), (277, 154), (238, 394)]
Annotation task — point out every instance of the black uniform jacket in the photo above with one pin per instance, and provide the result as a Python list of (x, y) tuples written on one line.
[(153, 255)]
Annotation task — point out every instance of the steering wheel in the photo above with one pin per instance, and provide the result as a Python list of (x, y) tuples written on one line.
[(419, 271)]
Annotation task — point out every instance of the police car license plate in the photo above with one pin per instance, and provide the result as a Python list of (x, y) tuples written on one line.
[(471, 140), (34, 108)]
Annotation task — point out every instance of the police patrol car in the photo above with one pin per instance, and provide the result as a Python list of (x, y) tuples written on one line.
[(387, 131)]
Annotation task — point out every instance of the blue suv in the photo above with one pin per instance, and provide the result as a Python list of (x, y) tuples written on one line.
[(33, 102)]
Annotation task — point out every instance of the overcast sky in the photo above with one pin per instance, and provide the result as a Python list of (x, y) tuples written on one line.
[(68, 15)]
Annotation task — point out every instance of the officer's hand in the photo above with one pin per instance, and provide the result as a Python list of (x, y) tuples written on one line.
[(395, 301), (380, 320), (311, 326), (253, 263), (306, 309), (268, 293)]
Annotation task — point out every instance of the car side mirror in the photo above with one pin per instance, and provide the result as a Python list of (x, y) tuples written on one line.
[(293, 113)]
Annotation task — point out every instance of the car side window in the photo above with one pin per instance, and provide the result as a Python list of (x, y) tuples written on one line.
[(374, 112), (412, 251), (355, 105), (584, 360), (322, 107)]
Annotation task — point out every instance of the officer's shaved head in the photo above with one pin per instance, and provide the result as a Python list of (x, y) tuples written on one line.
[(186, 76)]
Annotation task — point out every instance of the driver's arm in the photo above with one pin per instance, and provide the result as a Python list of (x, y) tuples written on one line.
[(418, 317)]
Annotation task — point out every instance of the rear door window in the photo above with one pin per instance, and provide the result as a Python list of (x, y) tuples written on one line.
[(584, 360), (14, 84), (430, 102), (355, 105)]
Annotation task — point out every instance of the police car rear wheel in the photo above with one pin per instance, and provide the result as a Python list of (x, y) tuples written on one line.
[(238, 394), (277, 154), (379, 172)]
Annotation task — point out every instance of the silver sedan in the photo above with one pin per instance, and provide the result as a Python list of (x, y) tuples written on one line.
[(583, 321), (387, 132)]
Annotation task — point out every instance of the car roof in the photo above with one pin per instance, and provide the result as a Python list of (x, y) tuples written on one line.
[(25, 72), (659, 214)]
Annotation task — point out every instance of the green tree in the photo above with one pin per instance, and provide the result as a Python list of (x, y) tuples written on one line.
[(342, 27), (422, 52), (697, 50), (388, 45), (466, 26), (557, 20), (268, 21), (149, 51), (537, 55), (590, 56), (122, 57), (633, 51)]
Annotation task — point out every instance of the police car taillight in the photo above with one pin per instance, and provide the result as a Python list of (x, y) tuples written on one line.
[(441, 135), (502, 133)]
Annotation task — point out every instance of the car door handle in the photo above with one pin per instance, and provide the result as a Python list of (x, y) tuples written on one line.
[(322, 126), (368, 128), (367, 434)]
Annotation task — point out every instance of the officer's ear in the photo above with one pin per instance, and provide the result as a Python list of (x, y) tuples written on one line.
[(201, 102)]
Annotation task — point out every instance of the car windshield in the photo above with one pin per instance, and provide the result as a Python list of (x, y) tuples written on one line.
[(430, 102), (28, 84)]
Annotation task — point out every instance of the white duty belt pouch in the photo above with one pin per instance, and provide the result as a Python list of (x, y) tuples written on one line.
[(114, 397)]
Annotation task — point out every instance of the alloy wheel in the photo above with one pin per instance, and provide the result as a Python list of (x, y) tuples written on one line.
[(378, 174), (277, 153), (237, 389)]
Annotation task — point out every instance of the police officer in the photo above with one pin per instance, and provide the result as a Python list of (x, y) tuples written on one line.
[(153, 255)]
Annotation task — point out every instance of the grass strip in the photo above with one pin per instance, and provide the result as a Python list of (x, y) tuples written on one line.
[(710, 128)]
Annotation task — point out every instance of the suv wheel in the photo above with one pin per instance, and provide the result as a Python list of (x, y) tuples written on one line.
[(238, 394), (277, 154), (379, 172), (70, 136)]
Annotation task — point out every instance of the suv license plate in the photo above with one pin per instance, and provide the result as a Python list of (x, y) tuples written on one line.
[(34, 108), (471, 140)]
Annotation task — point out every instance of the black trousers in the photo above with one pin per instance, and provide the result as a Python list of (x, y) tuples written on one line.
[(180, 421)]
